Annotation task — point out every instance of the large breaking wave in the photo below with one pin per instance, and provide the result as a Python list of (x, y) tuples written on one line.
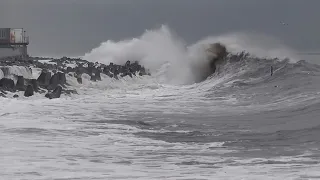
[(173, 61)]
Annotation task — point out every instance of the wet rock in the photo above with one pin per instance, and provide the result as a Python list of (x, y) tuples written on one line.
[(55, 94), (116, 72), (81, 70), (142, 71), (127, 63), (69, 69), (91, 70), (20, 84), (107, 71), (7, 84), (54, 81), (34, 84), (97, 76), (94, 73), (125, 72), (50, 81), (44, 78), (29, 91), (93, 78), (62, 78)]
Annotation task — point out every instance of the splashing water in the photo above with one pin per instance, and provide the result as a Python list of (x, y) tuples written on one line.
[(240, 123), (159, 49)]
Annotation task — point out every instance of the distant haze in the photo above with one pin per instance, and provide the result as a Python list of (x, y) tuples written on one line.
[(74, 27)]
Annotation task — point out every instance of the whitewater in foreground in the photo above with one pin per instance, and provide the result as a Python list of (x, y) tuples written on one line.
[(240, 123)]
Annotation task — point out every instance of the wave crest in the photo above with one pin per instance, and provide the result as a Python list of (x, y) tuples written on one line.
[(172, 61)]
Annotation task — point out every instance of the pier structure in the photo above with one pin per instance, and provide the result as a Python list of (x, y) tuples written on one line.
[(13, 43)]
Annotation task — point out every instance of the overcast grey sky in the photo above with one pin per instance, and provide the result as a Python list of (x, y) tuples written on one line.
[(73, 27)]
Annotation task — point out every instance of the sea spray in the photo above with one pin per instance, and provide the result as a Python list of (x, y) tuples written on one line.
[(172, 61)]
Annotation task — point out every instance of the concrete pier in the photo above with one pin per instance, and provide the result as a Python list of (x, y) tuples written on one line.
[(13, 43)]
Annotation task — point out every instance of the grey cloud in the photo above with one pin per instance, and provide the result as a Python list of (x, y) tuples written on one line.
[(73, 27)]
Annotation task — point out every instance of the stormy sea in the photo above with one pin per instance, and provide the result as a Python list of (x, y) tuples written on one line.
[(256, 117)]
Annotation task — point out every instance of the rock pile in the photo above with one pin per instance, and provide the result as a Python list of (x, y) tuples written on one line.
[(52, 79)]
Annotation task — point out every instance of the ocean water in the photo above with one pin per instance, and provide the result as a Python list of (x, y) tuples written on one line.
[(238, 124)]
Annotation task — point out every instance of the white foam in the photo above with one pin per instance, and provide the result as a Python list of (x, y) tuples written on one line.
[(36, 72), (1, 74), (167, 55), (63, 138), (18, 71), (73, 138), (257, 44), (46, 61)]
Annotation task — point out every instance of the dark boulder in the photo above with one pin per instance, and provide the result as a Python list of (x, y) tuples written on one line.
[(106, 70), (93, 78), (98, 76), (81, 70), (16, 96), (90, 64), (116, 72), (135, 67), (20, 84), (29, 91), (69, 69), (127, 63), (55, 94), (125, 72), (62, 78), (34, 84), (7, 84), (142, 71), (95, 74), (44, 78), (54, 81), (91, 70)]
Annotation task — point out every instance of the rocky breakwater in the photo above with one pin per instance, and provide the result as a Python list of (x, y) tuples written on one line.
[(16, 75)]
